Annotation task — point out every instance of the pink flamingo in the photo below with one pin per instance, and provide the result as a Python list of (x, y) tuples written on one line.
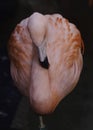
[(46, 59)]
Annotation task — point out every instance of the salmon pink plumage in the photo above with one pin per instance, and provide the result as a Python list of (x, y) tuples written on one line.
[(41, 37)]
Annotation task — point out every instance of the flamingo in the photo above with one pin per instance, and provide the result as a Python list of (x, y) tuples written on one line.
[(45, 59)]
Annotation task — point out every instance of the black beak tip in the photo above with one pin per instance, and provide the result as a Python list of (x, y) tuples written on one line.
[(45, 63)]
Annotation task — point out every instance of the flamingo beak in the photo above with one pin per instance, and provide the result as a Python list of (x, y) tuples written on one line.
[(42, 53), (43, 58)]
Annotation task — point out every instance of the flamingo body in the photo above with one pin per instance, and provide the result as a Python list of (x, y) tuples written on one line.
[(37, 37)]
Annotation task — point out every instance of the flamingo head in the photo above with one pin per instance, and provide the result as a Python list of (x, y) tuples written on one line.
[(37, 26)]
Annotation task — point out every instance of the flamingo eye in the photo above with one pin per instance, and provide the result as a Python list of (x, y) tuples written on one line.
[(45, 63)]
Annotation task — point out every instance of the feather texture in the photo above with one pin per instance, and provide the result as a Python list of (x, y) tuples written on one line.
[(62, 44)]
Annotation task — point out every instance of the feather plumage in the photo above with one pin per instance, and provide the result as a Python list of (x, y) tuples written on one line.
[(61, 42)]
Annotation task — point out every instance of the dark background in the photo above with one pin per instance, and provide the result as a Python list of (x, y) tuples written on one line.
[(75, 112)]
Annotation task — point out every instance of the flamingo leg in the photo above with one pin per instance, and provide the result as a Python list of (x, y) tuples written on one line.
[(41, 125)]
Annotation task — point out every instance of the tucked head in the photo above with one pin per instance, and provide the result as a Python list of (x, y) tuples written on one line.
[(37, 28), (37, 25)]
